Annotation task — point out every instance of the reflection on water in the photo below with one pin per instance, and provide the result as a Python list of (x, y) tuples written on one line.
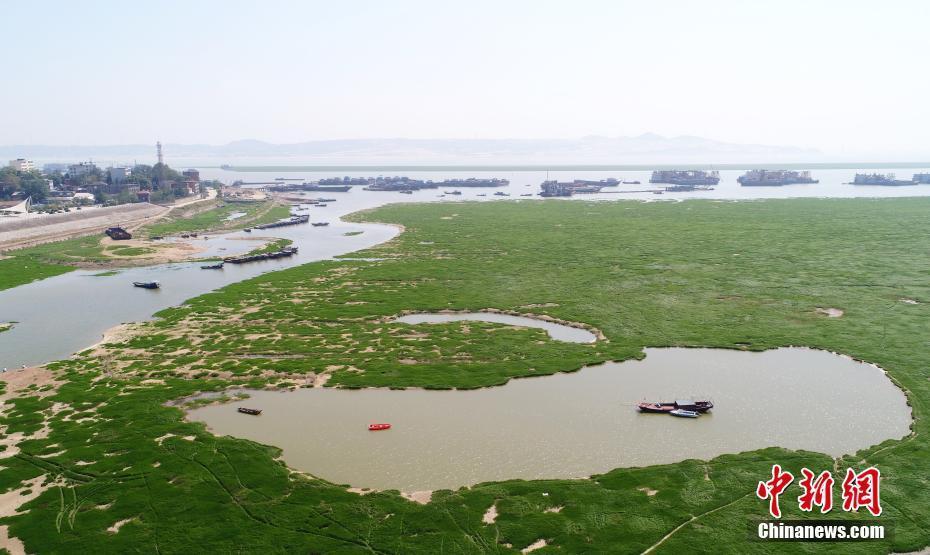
[(574, 425), (559, 332)]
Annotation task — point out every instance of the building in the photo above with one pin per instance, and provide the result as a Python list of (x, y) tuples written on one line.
[(22, 165), (118, 174), (84, 168), (55, 167)]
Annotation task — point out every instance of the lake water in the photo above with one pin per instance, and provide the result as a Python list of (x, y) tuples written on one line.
[(575, 425), (558, 332), (61, 315)]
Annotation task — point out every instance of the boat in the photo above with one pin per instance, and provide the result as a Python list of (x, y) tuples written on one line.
[(378, 427), (217, 266), (326, 200), (453, 192), (247, 230), (406, 192), (879, 179), (680, 404), (319, 224), (501, 194), (685, 177), (526, 195), (253, 412), (321, 204), (770, 178), (656, 407), (631, 182), (482, 195), (147, 284), (682, 413)]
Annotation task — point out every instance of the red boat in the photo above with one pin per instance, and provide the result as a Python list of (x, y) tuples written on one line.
[(377, 427)]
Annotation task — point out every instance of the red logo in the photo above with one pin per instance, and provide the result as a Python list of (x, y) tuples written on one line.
[(859, 490)]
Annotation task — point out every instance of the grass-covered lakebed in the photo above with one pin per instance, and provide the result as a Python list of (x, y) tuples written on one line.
[(102, 461)]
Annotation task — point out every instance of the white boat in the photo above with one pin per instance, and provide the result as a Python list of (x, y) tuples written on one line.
[(682, 413)]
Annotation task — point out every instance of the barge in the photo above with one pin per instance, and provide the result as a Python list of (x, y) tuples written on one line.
[(887, 179), (293, 220), (774, 178), (245, 259), (693, 178)]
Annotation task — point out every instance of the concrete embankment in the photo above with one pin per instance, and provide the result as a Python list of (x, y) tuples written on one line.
[(43, 228)]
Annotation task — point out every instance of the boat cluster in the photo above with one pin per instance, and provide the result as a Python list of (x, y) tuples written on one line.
[(293, 220), (683, 408), (283, 253)]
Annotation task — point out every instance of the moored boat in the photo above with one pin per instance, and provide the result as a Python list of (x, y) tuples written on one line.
[(682, 413), (147, 284), (656, 407), (378, 427), (319, 224), (217, 266), (253, 412)]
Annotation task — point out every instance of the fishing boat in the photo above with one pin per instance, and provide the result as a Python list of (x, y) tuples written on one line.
[(406, 192), (253, 412), (453, 192), (656, 407), (247, 230), (682, 413), (217, 266), (631, 182), (501, 194), (319, 224), (146, 284), (378, 427), (680, 404)]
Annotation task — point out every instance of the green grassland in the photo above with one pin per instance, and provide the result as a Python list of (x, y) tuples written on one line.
[(16, 271), (737, 275)]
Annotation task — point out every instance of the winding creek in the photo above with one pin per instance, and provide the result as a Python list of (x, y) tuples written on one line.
[(578, 424)]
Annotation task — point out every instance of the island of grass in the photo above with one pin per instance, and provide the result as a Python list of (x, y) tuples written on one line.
[(98, 459)]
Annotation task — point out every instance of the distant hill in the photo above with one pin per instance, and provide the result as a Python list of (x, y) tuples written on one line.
[(647, 148)]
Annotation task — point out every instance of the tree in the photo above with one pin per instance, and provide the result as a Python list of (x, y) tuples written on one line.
[(37, 188)]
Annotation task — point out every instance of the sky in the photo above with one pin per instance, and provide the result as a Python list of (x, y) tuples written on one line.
[(842, 76)]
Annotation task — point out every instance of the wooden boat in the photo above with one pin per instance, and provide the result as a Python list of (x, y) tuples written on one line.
[(247, 230), (406, 192), (217, 266), (501, 194), (631, 182), (147, 284), (378, 427), (253, 412), (453, 192), (682, 413), (656, 407), (320, 224), (680, 404)]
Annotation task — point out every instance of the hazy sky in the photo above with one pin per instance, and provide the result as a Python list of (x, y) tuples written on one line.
[(837, 75)]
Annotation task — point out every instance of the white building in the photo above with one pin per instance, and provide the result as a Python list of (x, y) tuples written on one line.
[(22, 165), (118, 174), (83, 168)]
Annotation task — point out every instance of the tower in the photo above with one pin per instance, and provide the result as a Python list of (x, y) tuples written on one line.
[(161, 158)]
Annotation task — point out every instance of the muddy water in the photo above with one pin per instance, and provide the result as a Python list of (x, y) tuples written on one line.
[(574, 425), (558, 332)]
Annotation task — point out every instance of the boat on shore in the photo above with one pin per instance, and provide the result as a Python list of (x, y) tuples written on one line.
[(147, 284), (253, 412), (378, 427)]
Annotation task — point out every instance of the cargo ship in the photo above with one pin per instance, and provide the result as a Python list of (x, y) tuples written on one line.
[(772, 178), (554, 188), (686, 177), (887, 179)]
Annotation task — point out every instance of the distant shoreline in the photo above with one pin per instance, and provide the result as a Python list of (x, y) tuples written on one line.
[(572, 167)]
